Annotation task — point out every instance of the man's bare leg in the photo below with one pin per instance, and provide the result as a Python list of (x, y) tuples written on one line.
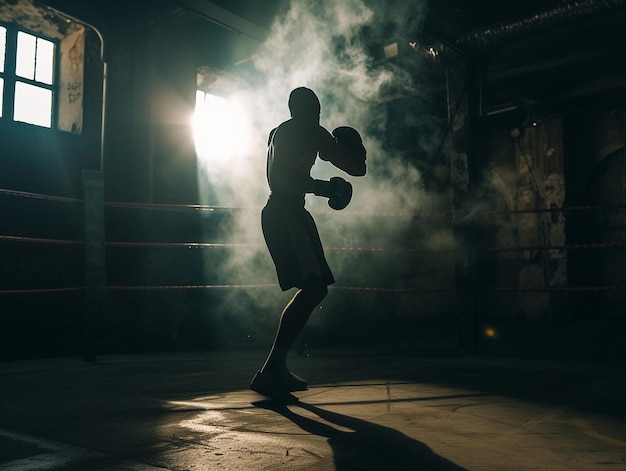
[(293, 320)]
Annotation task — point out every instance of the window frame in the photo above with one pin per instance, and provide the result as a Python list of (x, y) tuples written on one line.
[(10, 77)]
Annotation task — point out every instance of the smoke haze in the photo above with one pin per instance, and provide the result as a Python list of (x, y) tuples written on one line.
[(321, 45)]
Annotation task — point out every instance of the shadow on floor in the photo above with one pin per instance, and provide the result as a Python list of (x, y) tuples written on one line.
[(365, 445)]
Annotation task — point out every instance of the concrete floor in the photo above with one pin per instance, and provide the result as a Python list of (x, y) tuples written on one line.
[(365, 410)]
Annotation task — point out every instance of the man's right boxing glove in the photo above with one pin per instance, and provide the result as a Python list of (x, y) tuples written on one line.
[(337, 190)]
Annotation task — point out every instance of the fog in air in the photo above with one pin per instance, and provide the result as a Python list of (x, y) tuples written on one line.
[(321, 45)]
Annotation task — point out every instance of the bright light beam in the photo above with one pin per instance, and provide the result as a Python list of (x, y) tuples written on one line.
[(218, 127)]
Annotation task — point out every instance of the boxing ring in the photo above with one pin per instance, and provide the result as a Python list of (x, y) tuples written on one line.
[(43, 288)]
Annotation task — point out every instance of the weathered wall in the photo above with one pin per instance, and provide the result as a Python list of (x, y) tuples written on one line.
[(525, 175)]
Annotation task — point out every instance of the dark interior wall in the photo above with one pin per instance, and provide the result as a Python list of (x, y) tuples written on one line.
[(595, 177), (151, 91), (547, 235), (545, 95), (151, 57), (503, 162), (45, 313), (50, 161), (148, 157)]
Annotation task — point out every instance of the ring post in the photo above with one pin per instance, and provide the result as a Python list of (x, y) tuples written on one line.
[(95, 257)]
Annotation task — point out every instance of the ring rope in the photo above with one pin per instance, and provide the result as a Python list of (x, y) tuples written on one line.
[(342, 288), (41, 290), (564, 209), (564, 288), (37, 240), (199, 245), (603, 245), (199, 207), (39, 196)]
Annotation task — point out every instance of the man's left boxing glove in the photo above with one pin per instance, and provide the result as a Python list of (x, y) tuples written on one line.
[(350, 139), (337, 190)]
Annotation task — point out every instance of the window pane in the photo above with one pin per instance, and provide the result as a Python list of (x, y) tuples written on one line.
[(1, 94), (32, 104), (3, 46), (45, 61), (25, 64)]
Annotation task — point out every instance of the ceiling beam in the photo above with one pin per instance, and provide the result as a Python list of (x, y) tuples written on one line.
[(562, 61), (225, 18)]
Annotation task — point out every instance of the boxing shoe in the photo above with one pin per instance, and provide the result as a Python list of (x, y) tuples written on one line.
[(295, 383), (271, 385)]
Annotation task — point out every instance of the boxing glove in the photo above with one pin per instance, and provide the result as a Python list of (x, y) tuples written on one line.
[(337, 190), (350, 138)]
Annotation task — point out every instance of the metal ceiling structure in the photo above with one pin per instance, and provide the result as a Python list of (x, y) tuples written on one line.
[(566, 58), (545, 57)]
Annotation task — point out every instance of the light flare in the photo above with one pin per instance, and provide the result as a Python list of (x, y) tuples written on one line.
[(219, 128)]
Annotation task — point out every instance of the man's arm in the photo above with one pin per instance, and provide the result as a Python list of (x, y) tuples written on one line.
[(341, 156)]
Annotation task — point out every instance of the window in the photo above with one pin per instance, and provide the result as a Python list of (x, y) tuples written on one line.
[(3, 47), (219, 126), (209, 124), (27, 65)]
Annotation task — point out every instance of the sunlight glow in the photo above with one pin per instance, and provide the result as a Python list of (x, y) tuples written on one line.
[(34, 62), (35, 58), (44, 68), (218, 127), (3, 46), (26, 50), (33, 104)]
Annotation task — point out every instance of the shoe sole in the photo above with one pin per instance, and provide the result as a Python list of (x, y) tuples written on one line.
[(271, 390)]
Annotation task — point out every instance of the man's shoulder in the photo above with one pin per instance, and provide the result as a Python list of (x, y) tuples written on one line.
[(283, 127), (298, 130)]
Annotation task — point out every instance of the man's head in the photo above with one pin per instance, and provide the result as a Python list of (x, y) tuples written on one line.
[(303, 103)]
